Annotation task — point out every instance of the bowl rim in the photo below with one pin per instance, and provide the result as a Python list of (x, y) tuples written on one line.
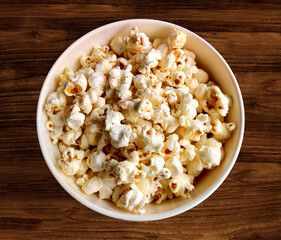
[(129, 216)]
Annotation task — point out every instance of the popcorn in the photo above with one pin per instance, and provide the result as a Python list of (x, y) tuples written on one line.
[(139, 121), (70, 163), (56, 101), (176, 79), (153, 142), (120, 135), (162, 115), (195, 167), (75, 119), (201, 76), (148, 187), (96, 160), (92, 185), (176, 39), (117, 44), (215, 102), (163, 193), (83, 168), (172, 143), (137, 43), (127, 172), (131, 198), (121, 81), (181, 185), (57, 123), (71, 137), (168, 62), (188, 151), (222, 130), (186, 108), (155, 166), (112, 118), (141, 107), (97, 82), (209, 152), (69, 167), (91, 135), (175, 166), (108, 185), (150, 60), (76, 85)]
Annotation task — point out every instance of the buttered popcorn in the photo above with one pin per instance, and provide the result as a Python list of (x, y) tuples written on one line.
[(139, 121)]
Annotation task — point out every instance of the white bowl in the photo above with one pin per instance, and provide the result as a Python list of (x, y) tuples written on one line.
[(207, 57)]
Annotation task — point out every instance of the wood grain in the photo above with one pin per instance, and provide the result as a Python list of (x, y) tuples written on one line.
[(34, 33)]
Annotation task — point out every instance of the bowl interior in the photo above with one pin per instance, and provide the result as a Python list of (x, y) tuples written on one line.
[(207, 58)]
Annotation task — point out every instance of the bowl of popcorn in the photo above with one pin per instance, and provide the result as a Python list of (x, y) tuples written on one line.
[(140, 120)]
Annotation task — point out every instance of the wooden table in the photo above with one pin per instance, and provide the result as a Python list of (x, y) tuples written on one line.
[(32, 36)]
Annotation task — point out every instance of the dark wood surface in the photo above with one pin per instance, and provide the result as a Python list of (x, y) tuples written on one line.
[(32, 36)]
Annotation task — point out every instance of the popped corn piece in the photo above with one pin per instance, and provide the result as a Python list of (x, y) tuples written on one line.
[(69, 167), (176, 79), (126, 151), (150, 60), (97, 81), (56, 123), (83, 168), (87, 72), (127, 172), (168, 62), (153, 141), (176, 39), (120, 135), (130, 198), (163, 193), (161, 74), (75, 119), (141, 107), (201, 76), (188, 151), (222, 130), (108, 185), (56, 101), (172, 143), (76, 85), (148, 187), (174, 165), (157, 42), (156, 164), (91, 135), (194, 167), (96, 160), (170, 124), (137, 43), (92, 185), (81, 181), (181, 185), (112, 118), (194, 128), (103, 141), (215, 102), (209, 152), (121, 80), (70, 163), (86, 103), (71, 137), (189, 72), (118, 46)]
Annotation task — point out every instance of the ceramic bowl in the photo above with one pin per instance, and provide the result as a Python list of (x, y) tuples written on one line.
[(208, 59)]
